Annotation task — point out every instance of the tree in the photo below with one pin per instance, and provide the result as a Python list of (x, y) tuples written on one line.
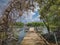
[(49, 11), (19, 24), (9, 14), (35, 24)]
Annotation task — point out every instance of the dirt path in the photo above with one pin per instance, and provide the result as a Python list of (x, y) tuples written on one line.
[(32, 38)]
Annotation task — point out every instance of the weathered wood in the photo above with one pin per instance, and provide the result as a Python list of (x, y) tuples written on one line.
[(32, 38)]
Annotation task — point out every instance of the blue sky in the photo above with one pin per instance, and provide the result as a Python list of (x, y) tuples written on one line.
[(3, 5), (30, 17)]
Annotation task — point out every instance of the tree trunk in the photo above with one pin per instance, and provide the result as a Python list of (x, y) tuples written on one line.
[(47, 27)]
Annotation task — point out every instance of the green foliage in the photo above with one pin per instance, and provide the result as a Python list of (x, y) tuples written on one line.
[(20, 24), (35, 24), (50, 12)]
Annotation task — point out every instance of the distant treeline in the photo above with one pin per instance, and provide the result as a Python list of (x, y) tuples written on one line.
[(19, 24), (35, 24)]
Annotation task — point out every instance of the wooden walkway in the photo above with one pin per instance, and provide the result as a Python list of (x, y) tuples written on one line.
[(32, 38)]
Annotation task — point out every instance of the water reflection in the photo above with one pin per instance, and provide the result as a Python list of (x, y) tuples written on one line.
[(41, 30), (22, 34)]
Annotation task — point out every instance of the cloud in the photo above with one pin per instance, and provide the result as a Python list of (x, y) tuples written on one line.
[(31, 16)]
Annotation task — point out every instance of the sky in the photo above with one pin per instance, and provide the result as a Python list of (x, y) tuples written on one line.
[(3, 3), (29, 16)]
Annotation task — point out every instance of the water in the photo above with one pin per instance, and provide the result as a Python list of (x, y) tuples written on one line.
[(45, 30), (22, 34), (42, 30)]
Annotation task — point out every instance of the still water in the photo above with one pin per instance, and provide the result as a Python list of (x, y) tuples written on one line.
[(21, 33)]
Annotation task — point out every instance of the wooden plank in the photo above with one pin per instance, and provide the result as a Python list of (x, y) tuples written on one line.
[(32, 38)]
